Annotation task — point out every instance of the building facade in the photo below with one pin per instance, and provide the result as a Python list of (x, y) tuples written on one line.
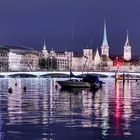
[(63, 59), (87, 61), (4, 59), (13, 58)]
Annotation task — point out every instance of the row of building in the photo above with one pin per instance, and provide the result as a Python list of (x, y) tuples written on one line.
[(14, 58), (91, 59)]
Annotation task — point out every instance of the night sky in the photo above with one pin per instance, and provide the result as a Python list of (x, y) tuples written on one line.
[(29, 22)]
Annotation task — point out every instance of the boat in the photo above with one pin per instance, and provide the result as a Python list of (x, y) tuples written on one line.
[(74, 83), (83, 81)]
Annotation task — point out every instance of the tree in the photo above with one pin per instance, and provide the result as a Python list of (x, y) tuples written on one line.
[(49, 64), (43, 64)]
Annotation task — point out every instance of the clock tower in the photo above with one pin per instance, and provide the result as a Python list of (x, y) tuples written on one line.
[(127, 49)]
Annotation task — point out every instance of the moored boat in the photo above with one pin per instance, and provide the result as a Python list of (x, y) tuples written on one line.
[(88, 81), (74, 83)]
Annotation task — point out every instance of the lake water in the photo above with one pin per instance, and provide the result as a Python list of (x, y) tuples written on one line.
[(43, 112)]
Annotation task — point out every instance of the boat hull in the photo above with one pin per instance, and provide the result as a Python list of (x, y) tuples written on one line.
[(74, 84)]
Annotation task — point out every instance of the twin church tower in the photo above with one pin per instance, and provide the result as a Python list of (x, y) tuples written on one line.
[(105, 46)]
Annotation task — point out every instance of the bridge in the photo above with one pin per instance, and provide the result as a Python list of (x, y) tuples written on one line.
[(61, 74)]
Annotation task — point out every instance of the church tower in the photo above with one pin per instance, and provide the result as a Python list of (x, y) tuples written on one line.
[(45, 51), (127, 49), (105, 46)]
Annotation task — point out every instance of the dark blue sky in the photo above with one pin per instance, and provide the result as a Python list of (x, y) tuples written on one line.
[(29, 22)]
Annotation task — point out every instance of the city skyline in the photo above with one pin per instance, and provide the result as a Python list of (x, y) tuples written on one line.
[(29, 23)]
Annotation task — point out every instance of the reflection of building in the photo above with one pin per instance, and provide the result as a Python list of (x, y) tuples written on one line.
[(117, 109), (18, 58), (105, 112), (127, 108), (87, 108), (14, 102)]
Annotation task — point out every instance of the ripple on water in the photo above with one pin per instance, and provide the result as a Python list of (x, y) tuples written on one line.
[(44, 112)]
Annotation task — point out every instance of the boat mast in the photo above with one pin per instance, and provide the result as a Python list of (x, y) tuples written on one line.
[(72, 40)]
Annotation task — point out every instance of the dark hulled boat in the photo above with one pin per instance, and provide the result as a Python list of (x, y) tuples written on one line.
[(86, 81), (74, 83)]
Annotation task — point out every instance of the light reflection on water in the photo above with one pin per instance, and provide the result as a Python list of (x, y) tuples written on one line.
[(44, 112)]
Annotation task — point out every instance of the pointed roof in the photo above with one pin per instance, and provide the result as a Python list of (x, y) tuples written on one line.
[(97, 52), (96, 57), (52, 51), (105, 42), (44, 46), (127, 40), (65, 47)]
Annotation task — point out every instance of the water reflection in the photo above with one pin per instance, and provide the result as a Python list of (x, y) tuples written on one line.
[(47, 112), (105, 112), (123, 108), (127, 109), (14, 102), (87, 108), (117, 109)]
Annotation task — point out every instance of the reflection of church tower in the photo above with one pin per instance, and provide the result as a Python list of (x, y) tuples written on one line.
[(105, 46), (127, 50), (45, 51)]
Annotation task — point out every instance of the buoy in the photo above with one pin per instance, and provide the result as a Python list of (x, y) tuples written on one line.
[(24, 88), (10, 90)]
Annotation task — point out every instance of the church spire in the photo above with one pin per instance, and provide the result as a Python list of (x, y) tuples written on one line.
[(127, 49), (105, 46), (97, 52), (105, 42), (44, 46), (45, 51), (127, 40), (97, 59)]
